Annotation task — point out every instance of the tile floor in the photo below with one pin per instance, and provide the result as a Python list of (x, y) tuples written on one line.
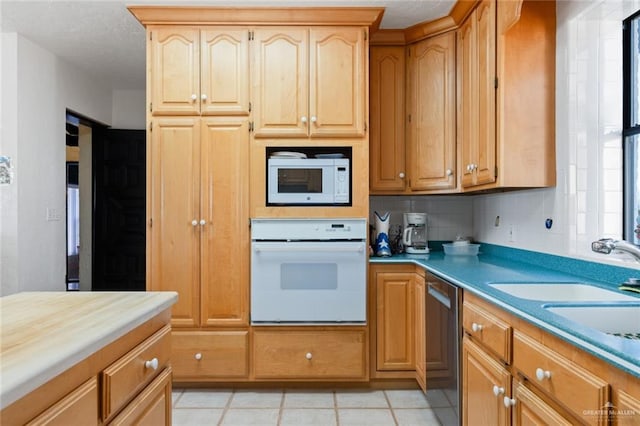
[(196, 407)]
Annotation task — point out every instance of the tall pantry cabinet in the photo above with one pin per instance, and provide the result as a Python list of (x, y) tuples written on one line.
[(198, 195)]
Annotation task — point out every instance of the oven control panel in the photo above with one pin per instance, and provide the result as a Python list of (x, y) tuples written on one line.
[(308, 229)]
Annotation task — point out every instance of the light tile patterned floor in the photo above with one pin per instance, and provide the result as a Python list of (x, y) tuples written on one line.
[(204, 407)]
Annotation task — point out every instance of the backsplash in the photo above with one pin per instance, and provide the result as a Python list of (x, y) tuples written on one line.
[(448, 216)]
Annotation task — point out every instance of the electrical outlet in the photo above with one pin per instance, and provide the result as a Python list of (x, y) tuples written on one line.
[(53, 215), (512, 233)]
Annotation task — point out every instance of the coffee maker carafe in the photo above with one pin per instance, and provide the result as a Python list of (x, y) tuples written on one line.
[(414, 235)]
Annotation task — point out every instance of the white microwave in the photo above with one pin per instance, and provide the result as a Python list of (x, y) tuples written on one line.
[(308, 181)]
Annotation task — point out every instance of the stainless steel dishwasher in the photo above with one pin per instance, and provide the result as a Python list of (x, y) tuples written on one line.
[(442, 341)]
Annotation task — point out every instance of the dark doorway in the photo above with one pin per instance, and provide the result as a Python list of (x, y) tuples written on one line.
[(119, 177)]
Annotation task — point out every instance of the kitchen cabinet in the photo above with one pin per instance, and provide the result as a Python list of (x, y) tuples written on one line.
[(419, 325), (198, 71), (82, 403), (198, 218), (309, 82), (431, 130), (506, 53), (387, 170), (424, 161)]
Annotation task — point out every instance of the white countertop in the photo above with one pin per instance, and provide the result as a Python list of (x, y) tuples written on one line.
[(43, 334)]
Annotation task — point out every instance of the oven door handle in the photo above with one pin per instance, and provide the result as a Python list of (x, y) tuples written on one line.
[(311, 248), (439, 296)]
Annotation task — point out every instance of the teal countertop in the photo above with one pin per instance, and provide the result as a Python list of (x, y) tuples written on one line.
[(497, 264)]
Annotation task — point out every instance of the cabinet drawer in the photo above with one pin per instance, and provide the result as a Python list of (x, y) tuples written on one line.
[(125, 377), (309, 354), (82, 403), (487, 329), (151, 407), (197, 355), (571, 385)]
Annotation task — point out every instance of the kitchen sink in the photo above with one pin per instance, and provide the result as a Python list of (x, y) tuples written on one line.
[(558, 291), (618, 320)]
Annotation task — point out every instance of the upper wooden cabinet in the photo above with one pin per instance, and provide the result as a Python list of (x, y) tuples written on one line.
[(196, 71), (506, 95), (309, 82), (424, 162)]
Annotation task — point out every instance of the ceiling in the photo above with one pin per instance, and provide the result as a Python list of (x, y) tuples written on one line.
[(105, 40)]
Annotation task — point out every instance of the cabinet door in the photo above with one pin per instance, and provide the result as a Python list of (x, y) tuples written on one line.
[(386, 139), (174, 57), (467, 99), (395, 334), (225, 71), (174, 208), (486, 38), (432, 139), (280, 82), (152, 407), (530, 409), (420, 324), (225, 210), (82, 403), (338, 79), (480, 373)]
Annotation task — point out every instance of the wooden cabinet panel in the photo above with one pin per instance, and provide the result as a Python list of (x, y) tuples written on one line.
[(322, 355), (530, 409), (174, 55), (467, 98), (174, 210), (280, 82), (82, 403), (480, 373), (432, 130), (387, 168), (225, 209), (575, 387), (151, 407), (206, 355), (124, 378), (487, 329), (627, 407), (225, 71), (337, 81), (420, 324), (394, 324)]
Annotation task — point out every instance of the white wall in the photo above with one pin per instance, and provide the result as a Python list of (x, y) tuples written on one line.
[(45, 86), (129, 109), (586, 204)]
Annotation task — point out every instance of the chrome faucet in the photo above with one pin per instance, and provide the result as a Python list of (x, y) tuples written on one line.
[(607, 245)]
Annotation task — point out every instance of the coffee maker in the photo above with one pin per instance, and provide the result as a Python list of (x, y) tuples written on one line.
[(414, 236)]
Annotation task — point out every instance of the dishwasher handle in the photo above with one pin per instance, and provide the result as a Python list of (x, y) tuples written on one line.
[(312, 248), (439, 296)]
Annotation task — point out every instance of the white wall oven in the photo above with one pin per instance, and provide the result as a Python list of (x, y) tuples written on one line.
[(308, 271)]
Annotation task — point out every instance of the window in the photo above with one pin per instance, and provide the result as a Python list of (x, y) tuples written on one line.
[(631, 127)]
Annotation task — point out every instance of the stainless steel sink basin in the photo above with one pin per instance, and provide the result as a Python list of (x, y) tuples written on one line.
[(619, 320), (572, 292)]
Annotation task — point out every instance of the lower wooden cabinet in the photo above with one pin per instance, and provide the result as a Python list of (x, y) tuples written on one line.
[(313, 354), (151, 407), (210, 355), (485, 383), (82, 403), (530, 409), (420, 323)]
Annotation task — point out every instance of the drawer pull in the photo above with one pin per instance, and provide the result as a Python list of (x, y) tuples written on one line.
[(198, 356), (153, 364), (542, 374), (509, 402), (476, 327), (497, 391), (308, 355)]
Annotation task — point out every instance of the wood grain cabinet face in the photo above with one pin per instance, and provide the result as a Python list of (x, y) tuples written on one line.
[(82, 403), (199, 197), (309, 82), (199, 72), (205, 355), (152, 407), (420, 324), (387, 169), (431, 135), (530, 409)]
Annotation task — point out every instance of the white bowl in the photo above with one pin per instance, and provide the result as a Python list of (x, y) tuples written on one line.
[(461, 249)]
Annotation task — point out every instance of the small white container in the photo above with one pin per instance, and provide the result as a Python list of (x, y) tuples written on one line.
[(453, 249)]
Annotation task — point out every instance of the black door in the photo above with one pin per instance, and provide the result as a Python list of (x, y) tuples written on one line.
[(119, 177)]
